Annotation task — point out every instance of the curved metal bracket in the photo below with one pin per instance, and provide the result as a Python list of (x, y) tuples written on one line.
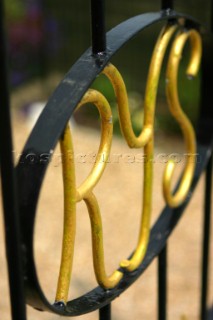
[(43, 139)]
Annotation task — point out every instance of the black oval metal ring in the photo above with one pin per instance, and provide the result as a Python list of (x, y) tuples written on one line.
[(39, 148)]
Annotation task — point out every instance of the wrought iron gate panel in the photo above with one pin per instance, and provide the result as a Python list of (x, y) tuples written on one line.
[(21, 185)]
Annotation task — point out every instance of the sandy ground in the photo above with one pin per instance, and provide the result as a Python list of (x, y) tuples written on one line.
[(119, 196)]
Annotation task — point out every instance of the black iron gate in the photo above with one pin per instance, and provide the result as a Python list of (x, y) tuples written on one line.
[(21, 185)]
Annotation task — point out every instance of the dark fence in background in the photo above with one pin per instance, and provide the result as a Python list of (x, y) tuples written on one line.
[(20, 207), (53, 36), (44, 37)]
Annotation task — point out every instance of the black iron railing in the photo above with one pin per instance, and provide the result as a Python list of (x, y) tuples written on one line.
[(21, 185)]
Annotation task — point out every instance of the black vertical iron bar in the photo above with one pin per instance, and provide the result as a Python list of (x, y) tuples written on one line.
[(98, 26), (205, 119), (206, 239), (105, 312), (211, 17), (167, 4), (162, 284), (12, 234)]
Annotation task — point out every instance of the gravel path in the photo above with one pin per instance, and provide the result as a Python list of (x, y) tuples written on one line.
[(119, 196)]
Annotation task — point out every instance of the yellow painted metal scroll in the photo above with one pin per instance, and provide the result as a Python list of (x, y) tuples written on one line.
[(74, 195), (145, 140), (175, 108)]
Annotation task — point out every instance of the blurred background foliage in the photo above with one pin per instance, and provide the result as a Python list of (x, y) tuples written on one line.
[(48, 36)]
